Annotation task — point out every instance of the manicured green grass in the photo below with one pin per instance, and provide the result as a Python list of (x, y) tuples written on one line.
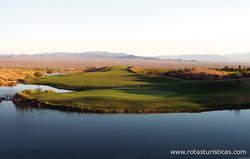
[(115, 77), (118, 90)]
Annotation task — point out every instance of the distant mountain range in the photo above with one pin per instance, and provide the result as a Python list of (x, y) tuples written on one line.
[(95, 54), (243, 57), (194, 57), (240, 55)]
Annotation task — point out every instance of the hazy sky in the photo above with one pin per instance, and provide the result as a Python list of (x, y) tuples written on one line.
[(140, 27)]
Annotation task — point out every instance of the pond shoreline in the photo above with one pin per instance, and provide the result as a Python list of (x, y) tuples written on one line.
[(39, 104)]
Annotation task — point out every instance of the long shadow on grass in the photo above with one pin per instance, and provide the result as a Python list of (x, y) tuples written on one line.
[(208, 93), (189, 87)]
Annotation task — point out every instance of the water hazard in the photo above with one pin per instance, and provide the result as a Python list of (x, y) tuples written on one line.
[(27, 132)]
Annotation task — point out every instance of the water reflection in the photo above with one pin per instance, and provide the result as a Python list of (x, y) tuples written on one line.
[(27, 132), (10, 91), (237, 111)]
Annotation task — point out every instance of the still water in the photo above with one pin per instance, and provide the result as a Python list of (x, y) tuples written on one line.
[(10, 91), (27, 132)]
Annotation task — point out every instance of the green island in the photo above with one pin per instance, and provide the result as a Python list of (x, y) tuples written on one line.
[(119, 90)]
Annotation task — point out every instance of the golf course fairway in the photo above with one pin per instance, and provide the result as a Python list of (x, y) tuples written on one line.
[(118, 90)]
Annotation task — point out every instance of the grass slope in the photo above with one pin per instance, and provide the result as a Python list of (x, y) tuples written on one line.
[(118, 90)]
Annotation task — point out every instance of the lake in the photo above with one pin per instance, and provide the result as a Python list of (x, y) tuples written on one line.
[(10, 91), (27, 132)]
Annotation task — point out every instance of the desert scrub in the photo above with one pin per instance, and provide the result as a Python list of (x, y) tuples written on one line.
[(147, 70), (28, 94), (198, 74)]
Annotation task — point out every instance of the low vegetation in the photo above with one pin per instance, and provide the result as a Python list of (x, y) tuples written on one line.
[(198, 74), (239, 72), (95, 69), (147, 70), (27, 94), (225, 73), (10, 76), (120, 90)]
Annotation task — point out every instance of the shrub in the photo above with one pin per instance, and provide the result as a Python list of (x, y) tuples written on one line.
[(38, 74), (49, 91), (28, 75), (50, 71), (236, 75), (95, 69), (246, 74)]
